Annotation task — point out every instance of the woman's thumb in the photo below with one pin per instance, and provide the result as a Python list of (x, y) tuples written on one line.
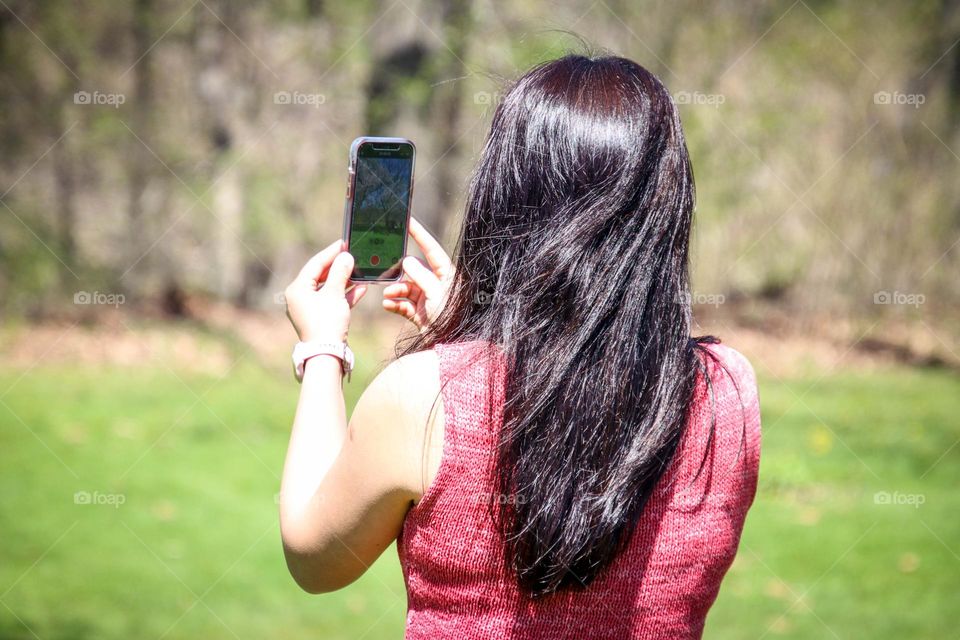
[(339, 274)]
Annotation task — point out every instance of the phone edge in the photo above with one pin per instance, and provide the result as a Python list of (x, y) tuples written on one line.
[(352, 186)]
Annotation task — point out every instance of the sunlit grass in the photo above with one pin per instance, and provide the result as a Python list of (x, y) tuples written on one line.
[(853, 532), (193, 550)]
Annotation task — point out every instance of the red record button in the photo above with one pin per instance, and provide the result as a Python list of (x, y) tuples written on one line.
[(374, 260)]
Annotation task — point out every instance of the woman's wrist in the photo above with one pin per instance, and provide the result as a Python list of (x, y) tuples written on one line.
[(322, 366), (323, 334)]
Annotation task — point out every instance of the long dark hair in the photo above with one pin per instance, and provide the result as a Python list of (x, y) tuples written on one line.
[(573, 260)]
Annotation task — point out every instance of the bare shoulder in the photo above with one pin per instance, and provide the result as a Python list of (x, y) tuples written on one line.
[(406, 386), (401, 414), (410, 372)]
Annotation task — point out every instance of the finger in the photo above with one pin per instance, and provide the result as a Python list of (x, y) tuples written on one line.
[(404, 289), (356, 294), (432, 250), (338, 277), (423, 277), (397, 290), (403, 308), (316, 267)]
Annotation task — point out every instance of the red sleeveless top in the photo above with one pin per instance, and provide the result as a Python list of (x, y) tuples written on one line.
[(660, 586)]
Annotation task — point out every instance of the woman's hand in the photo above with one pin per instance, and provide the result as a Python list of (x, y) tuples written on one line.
[(319, 301), (421, 296)]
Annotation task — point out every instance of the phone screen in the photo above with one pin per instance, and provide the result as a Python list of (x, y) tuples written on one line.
[(381, 201)]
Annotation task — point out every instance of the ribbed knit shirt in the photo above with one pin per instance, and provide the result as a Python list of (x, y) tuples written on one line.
[(660, 586)]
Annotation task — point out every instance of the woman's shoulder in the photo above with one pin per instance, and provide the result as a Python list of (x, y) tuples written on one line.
[(407, 381), (726, 407), (411, 386), (726, 367), (400, 409), (419, 361), (730, 357)]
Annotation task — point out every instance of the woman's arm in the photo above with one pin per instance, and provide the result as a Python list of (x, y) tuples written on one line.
[(345, 489)]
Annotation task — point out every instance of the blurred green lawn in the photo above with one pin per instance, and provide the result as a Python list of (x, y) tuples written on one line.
[(193, 551)]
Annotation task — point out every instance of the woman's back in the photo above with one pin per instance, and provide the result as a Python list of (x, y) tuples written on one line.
[(664, 581)]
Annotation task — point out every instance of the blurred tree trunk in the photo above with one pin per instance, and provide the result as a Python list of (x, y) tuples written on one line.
[(397, 63), (213, 48), (448, 103), (65, 194), (405, 66), (948, 36), (64, 175), (941, 50), (142, 99), (314, 8), (140, 162)]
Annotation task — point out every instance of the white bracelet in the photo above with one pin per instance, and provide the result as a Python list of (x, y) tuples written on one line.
[(303, 351)]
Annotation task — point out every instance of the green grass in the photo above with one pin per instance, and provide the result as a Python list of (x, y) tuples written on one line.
[(194, 549), (822, 555), (376, 242)]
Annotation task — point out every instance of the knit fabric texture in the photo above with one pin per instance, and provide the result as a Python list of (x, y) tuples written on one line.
[(660, 586)]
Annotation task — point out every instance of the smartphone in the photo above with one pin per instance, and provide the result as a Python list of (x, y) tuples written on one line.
[(377, 209)]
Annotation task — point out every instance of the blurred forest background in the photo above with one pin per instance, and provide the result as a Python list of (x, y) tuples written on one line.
[(168, 165), (162, 149)]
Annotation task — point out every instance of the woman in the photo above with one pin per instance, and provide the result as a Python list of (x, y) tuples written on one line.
[(553, 452)]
